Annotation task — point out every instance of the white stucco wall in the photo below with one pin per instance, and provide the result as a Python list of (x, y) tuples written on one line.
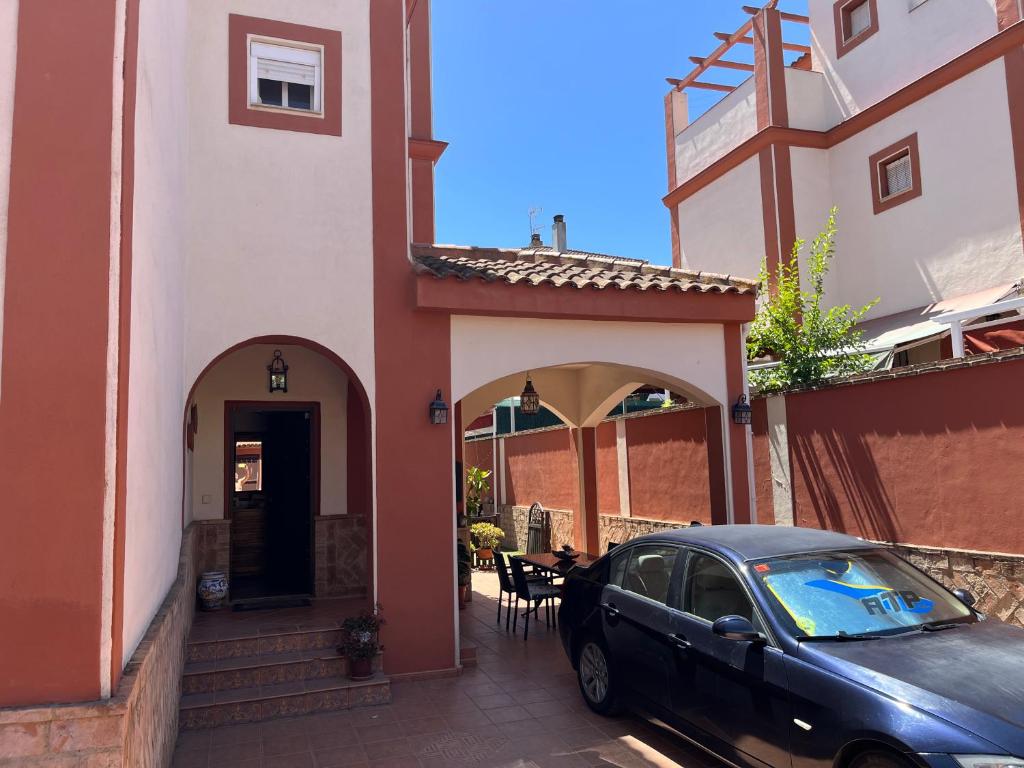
[(811, 103), (242, 375), (155, 399), (963, 234), (910, 42), (280, 223), (691, 354), (812, 199), (8, 56), (729, 123), (721, 228)]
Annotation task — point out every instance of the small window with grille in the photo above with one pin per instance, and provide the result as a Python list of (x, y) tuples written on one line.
[(895, 174), (897, 177)]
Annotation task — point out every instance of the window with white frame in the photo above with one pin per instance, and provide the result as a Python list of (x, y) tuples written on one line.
[(856, 19), (285, 75)]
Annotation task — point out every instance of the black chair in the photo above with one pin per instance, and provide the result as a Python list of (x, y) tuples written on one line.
[(506, 587), (612, 545), (533, 593)]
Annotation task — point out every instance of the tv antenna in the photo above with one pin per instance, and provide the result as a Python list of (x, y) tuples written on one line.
[(534, 212)]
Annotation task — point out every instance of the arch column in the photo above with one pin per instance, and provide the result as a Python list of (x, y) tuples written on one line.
[(586, 527)]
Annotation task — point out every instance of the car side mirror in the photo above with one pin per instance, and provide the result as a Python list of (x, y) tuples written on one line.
[(964, 597), (736, 628)]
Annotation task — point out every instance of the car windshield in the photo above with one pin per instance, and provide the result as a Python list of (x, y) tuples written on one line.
[(868, 592)]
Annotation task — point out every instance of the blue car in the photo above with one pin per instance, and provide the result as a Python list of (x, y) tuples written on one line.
[(791, 647)]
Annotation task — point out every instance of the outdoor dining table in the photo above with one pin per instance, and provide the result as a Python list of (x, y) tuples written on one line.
[(556, 566)]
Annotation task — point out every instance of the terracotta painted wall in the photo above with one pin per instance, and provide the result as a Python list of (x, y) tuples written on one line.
[(542, 467), (607, 470), (933, 460), (762, 462), (668, 466)]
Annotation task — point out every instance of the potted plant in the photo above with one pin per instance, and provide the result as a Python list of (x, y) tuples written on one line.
[(476, 488), (360, 642), (464, 562), (488, 538)]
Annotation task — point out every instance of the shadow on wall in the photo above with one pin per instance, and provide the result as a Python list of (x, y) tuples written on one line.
[(853, 468)]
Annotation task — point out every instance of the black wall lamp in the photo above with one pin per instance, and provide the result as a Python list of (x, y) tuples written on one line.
[(438, 410), (277, 373), (741, 413)]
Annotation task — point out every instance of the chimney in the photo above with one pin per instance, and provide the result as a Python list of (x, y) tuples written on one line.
[(535, 241), (558, 234)]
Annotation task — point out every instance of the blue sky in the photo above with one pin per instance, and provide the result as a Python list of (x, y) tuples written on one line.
[(558, 104)]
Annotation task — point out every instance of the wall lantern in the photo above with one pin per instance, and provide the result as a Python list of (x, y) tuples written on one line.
[(529, 401), (438, 410), (741, 411), (277, 373)]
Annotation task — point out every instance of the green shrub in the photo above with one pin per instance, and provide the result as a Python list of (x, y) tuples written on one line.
[(487, 536)]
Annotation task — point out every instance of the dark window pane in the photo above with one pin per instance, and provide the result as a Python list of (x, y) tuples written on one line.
[(711, 591), (300, 96), (270, 92)]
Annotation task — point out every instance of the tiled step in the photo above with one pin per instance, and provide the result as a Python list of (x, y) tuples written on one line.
[(267, 702), (255, 671), (262, 644)]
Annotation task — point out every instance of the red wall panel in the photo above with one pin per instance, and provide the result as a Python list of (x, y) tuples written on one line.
[(762, 462), (668, 467), (934, 459), (541, 466), (607, 470)]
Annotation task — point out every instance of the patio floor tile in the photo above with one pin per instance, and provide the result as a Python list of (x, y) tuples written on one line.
[(520, 707)]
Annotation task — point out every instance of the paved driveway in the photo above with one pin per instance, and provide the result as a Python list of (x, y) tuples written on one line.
[(518, 708)]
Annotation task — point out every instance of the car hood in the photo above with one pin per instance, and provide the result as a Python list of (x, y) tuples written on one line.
[(972, 676)]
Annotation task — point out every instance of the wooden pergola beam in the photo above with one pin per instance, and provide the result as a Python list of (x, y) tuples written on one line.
[(715, 55), (723, 63), (750, 41), (784, 15), (711, 86)]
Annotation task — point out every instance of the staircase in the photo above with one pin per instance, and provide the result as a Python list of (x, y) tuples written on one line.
[(261, 674)]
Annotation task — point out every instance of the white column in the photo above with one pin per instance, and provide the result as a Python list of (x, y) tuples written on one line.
[(622, 455), (778, 449)]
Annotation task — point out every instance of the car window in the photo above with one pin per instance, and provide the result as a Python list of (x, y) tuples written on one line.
[(617, 568), (649, 571), (712, 591)]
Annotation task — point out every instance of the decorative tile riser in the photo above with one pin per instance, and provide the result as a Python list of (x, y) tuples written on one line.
[(214, 650), (369, 694), (270, 674)]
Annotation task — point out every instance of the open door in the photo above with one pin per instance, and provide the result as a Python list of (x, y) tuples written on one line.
[(271, 478)]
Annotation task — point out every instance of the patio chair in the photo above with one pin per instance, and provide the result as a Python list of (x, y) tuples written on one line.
[(506, 587), (533, 593)]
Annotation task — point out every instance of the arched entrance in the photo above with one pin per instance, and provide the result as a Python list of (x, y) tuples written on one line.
[(280, 481)]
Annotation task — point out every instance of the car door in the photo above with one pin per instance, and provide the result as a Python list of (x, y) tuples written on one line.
[(733, 691), (635, 620)]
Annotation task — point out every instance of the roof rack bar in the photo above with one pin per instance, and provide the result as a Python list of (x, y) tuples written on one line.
[(794, 17), (725, 64)]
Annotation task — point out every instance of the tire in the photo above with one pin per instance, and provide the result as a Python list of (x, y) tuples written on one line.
[(878, 758), (594, 675)]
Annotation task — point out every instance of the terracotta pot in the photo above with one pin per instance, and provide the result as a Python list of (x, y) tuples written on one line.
[(360, 669), (212, 589), (485, 554)]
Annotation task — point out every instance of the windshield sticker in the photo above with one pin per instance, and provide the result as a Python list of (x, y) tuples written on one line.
[(875, 599), (762, 568)]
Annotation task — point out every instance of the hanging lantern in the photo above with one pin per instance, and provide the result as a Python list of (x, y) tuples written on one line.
[(277, 373), (438, 410), (741, 413), (529, 401)]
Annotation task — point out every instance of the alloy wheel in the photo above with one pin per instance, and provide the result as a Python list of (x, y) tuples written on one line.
[(594, 673)]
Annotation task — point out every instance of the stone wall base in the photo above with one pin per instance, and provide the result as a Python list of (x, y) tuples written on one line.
[(995, 580), (341, 556), (137, 726), (621, 529)]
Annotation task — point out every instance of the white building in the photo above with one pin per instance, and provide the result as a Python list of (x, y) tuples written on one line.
[(906, 114)]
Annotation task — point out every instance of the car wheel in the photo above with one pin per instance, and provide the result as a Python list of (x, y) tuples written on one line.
[(878, 759), (595, 678)]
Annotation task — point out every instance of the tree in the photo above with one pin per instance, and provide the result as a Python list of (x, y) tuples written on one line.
[(811, 344)]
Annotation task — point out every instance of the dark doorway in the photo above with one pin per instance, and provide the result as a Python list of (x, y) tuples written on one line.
[(271, 492)]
